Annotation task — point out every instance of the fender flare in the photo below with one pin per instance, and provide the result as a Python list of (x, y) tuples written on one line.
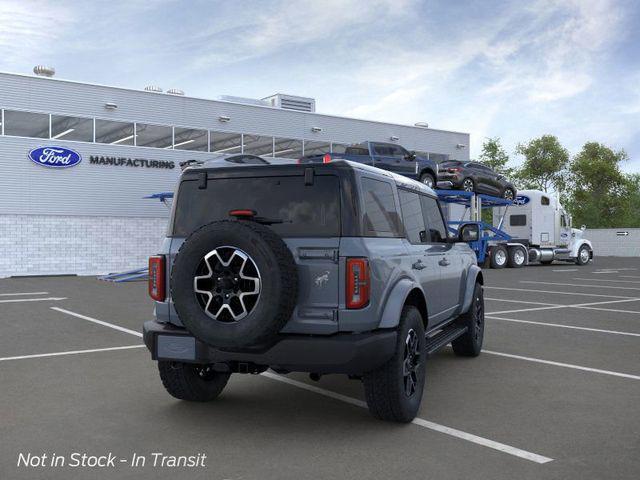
[(395, 302), (430, 170), (578, 244), (474, 275)]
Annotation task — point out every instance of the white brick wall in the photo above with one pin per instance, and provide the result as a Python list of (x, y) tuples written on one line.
[(609, 242), (53, 245)]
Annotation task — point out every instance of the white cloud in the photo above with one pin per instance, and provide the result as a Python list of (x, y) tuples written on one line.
[(29, 30)]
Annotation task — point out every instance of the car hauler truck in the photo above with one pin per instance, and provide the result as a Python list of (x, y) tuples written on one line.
[(534, 228), (539, 222)]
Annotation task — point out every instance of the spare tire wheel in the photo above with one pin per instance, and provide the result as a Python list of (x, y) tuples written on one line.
[(234, 284)]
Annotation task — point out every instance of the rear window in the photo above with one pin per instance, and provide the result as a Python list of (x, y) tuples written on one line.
[(305, 210)]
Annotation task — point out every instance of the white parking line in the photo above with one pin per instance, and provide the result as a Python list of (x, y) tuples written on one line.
[(567, 270), (533, 457), (99, 322), (564, 365), (581, 285), (19, 300), (27, 293), (573, 327), (629, 276), (588, 306), (557, 292), (418, 421), (71, 352), (606, 280), (519, 301)]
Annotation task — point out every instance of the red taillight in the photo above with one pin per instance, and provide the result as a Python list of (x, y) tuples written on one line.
[(358, 286), (454, 170), (326, 158), (156, 278), (242, 213)]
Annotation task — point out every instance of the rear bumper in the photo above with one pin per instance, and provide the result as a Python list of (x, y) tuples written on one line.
[(341, 353)]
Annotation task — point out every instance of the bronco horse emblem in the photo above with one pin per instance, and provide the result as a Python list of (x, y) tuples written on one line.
[(322, 279)]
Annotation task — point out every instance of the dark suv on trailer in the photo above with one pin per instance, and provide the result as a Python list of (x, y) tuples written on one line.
[(475, 177), (329, 268)]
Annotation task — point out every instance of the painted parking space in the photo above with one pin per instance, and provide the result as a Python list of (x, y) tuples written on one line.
[(538, 403)]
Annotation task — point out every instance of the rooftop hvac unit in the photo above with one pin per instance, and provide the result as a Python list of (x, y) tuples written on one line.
[(153, 88), (291, 102), (175, 91), (44, 71)]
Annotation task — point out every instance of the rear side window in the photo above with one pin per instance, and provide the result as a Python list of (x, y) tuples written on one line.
[(433, 220), (304, 210), (381, 217), (544, 201), (517, 220), (412, 216)]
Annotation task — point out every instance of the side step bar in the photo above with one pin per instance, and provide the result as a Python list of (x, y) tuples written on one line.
[(444, 337)]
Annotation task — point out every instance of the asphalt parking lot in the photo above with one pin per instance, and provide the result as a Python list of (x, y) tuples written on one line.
[(555, 394)]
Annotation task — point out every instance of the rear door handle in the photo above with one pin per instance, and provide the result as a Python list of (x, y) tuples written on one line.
[(444, 262), (418, 265)]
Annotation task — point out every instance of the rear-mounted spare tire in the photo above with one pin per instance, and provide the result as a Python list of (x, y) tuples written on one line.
[(234, 284)]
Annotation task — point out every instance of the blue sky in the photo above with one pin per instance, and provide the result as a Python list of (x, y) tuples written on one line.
[(514, 69)]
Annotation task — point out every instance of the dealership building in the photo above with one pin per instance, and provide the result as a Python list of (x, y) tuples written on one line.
[(112, 147)]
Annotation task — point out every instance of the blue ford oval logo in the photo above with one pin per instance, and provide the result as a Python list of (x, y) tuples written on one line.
[(56, 157), (521, 200)]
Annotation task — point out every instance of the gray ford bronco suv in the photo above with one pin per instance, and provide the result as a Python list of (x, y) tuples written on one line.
[(327, 268)]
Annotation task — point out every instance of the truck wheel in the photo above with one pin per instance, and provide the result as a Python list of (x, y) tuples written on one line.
[(470, 344), (234, 284), (194, 383), (499, 256), (584, 255), (517, 257), (394, 391), (428, 180)]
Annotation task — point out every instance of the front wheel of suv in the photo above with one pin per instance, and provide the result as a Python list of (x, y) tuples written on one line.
[(195, 383), (394, 391), (468, 185)]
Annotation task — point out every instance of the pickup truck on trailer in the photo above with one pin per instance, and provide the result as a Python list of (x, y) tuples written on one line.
[(387, 156), (323, 268)]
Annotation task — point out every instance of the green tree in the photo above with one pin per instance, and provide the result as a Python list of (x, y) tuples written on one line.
[(545, 164), (494, 156), (600, 194)]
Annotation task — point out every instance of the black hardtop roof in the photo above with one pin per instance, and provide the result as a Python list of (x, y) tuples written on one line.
[(339, 167)]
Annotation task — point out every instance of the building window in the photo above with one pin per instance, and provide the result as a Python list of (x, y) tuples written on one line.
[(257, 145), (339, 148), (226, 142), (190, 139), (287, 148), (115, 133), (438, 157), (316, 148), (26, 124), (157, 136), (71, 128)]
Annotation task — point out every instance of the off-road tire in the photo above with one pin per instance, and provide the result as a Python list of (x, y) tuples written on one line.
[(278, 286), (470, 343), (194, 383), (428, 176), (385, 387), (512, 261), (497, 260)]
